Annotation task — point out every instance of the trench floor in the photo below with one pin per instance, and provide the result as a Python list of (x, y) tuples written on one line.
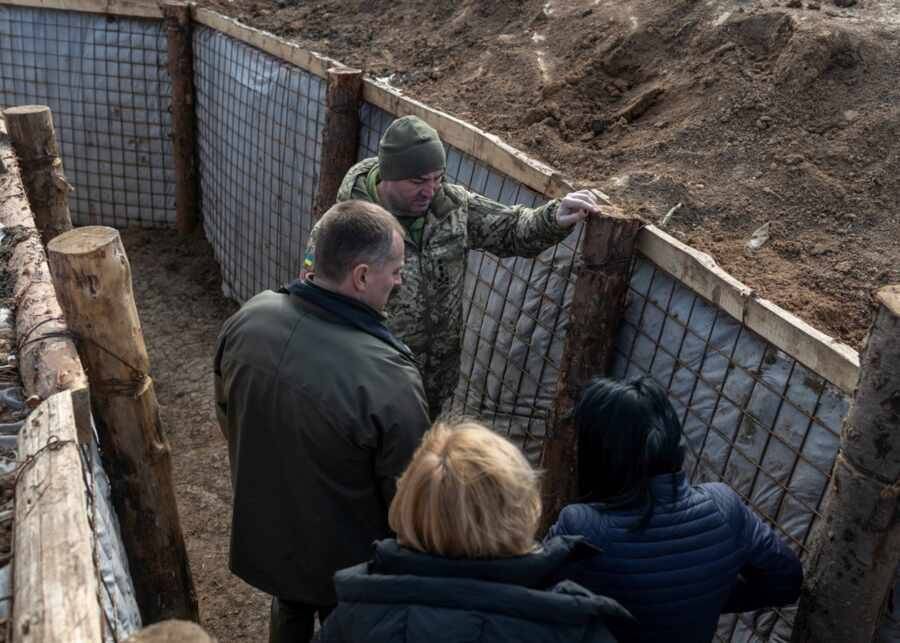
[(178, 294)]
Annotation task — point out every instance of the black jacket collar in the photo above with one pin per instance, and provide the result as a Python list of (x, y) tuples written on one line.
[(536, 570), (348, 311), (524, 587)]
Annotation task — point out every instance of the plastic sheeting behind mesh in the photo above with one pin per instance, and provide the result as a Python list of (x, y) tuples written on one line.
[(259, 127), (514, 309), (106, 83), (753, 416), (117, 598)]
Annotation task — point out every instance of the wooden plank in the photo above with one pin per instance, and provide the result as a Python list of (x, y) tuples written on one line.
[(55, 580), (485, 147), (825, 355), (48, 359), (271, 44), (126, 8)]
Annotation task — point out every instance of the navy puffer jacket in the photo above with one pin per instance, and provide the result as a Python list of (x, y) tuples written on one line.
[(702, 554), (403, 596)]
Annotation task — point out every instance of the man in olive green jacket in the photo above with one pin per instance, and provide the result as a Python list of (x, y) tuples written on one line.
[(322, 408), (442, 222)]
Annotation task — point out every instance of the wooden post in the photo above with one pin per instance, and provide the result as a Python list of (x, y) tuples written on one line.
[(856, 548), (93, 282), (48, 361), (597, 307), (340, 138), (181, 69), (56, 595), (34, 140)]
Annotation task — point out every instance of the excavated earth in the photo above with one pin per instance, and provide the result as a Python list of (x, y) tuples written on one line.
[(746, 113)]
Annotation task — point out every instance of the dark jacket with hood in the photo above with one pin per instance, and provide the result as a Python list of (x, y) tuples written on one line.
[(703, 553), (322, 408), (404, 595)]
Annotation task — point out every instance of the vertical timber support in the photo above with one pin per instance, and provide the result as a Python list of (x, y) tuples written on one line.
[(856, 548), (31, 132), (597, 307), (340, 138), (177, 17), (92, 277)]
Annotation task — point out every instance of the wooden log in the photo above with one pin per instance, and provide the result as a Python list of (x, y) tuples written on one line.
[(56, 595), (181, 70), (93, 281), (597, 307), (171, 632), (34, 141), (340, 138), (48, 360), (856, 548)]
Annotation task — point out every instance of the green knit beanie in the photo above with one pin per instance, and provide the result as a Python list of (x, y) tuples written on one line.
[(409, 149)]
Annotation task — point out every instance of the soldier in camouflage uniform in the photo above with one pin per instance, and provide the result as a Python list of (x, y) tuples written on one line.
[(443, 222)]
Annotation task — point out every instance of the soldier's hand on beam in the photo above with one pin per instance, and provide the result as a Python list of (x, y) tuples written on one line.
[(576, 206)]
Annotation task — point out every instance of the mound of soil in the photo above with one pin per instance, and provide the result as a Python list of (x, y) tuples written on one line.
[(743, 112)]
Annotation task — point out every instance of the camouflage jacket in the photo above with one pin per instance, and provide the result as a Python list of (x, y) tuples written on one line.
[(427, 312)]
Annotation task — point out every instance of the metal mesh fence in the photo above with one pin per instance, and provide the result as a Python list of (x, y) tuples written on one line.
[(105, 81), (514, 310), (259, 123), (753, 417)]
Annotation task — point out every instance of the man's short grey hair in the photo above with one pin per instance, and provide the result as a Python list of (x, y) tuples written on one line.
[(351, 233)]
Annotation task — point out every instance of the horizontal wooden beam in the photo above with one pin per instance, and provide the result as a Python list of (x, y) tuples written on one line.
[(264, 41), (129, 8), (56, 598), (825, 355)]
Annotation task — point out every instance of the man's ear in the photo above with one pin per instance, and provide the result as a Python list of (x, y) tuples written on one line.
[(359, 276)]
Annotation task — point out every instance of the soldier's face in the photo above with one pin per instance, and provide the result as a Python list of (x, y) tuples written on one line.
[(411, 195), (384, 280)]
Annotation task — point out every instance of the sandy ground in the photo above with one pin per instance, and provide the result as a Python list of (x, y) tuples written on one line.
[(178, 294)]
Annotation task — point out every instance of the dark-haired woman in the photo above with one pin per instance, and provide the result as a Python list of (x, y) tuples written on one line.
[(675, 555)]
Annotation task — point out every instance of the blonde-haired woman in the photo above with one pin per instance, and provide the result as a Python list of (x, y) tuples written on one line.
[(464, 566)]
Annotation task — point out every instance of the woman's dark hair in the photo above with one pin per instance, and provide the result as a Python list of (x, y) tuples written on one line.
[(627, 432)]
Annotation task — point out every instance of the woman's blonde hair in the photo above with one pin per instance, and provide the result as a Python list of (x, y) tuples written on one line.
[(468, 493)]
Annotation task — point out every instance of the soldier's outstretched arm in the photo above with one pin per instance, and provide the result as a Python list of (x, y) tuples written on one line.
[(517, 231)]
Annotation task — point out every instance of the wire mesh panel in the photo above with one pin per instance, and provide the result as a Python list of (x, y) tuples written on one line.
[(514, 310), (753, 417), (259, 123), (105, 81)]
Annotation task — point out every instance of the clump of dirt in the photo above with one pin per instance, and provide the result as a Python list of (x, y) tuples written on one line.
[(743, 112)]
